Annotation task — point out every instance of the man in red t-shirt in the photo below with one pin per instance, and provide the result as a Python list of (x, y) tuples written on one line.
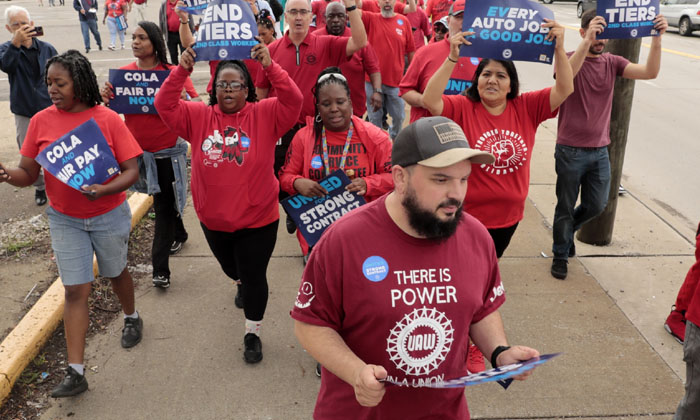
[(390, 35), (426, 62), (437, 9), (581, 154), (403, 301)]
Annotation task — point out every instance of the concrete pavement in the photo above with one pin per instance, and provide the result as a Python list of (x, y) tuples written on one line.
[(606, 317)]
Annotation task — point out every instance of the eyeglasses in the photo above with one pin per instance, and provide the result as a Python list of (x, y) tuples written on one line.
[(329, 75), (234, 86), (439, 28), (302, 12)]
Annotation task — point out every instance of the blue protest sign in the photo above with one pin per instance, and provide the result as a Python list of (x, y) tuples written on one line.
[(628, 18), (195, 7), (135, 90), (227, 31), (313, 215), (80, 157), (507, 30)]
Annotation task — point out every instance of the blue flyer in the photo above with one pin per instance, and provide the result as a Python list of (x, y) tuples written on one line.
[(195, 7), (227, 31), (507, 30), (135, 90), (313, 215), (80, 157), (628, 18)]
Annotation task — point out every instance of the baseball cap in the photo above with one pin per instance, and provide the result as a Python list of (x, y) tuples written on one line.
[(436, 142), (442, 21), (457, 8)]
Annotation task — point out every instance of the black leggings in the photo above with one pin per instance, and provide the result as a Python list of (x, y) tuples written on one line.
[(245, 254), (501, 238), (169, 225)]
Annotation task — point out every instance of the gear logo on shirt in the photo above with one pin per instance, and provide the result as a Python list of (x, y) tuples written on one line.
[(508, 147), (311, 59), (420, 341), (231, 147), (305, 295)]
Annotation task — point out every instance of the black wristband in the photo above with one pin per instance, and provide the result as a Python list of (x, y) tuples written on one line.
[(351, 8), (454, 61), (496, 352)]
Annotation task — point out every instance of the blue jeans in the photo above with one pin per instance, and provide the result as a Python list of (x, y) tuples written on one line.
[(584, 169), (113, 31), (394, 107), (87, 26)]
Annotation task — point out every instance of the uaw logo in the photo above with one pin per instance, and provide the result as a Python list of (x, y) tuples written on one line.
[(311, 59), (144, 109), (305, 295), (420, 341), (223, 53), (508, 147), (633, 33), (507, 54)]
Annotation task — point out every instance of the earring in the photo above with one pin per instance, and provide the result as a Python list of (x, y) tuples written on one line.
[(318, 118)]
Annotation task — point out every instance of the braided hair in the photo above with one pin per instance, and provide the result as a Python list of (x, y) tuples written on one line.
[(265, 19), (156, 38), (243, 70), (318, 123), (85, 86)]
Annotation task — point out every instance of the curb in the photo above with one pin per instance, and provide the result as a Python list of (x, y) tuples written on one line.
[(28, 337)]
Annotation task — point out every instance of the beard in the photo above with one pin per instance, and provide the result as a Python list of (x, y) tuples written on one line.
[(425, 222), (594, 49)]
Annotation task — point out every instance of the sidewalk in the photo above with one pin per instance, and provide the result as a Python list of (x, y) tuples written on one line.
[(606, 318)]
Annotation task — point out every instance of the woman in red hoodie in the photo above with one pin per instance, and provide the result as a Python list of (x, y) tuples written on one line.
[(234, 189), (354, 145)]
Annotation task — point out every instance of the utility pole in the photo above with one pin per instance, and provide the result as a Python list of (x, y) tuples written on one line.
[(598, 231)]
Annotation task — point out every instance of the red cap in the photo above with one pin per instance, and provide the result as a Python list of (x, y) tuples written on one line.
[(457, 7)]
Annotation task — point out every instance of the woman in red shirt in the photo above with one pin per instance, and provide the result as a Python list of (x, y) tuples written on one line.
[(354, 145), (114, 9), (95, 220), (234, 189)]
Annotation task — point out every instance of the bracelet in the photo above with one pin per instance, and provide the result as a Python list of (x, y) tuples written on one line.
[(496, 352), (351, 8), (454, 61), (185, 22)]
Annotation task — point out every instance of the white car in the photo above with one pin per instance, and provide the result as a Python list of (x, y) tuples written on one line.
[(683, 14)]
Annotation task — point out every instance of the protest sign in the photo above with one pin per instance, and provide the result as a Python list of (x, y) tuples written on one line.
[(195, 7), (507, 30), (313, 215), (80, 157), (135, 90), (227, 31), (502, 374), (628, 18)]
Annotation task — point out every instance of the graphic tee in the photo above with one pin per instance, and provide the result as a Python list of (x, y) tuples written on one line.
[(402, 303), (496, 193), (392, 40)]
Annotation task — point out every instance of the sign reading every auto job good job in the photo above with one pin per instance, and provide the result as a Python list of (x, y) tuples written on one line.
[(135, 90), (80, 157), (507, 30), (628, 18), (227, 31)]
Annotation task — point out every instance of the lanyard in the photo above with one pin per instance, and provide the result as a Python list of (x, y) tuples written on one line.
[(324, 143)]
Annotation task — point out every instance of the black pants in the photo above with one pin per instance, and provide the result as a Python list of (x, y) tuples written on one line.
[(245, 254), (173, 44), (281, 154), (501, 238), (169, 226)]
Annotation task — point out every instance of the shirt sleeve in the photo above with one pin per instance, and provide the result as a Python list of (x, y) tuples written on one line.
[(620, 64), (370, 60), (293, 168), (177, 114), (335, 48), (381, 181), (124, 144), (286, 106), (30, 148), (411, 78), (494, 293), (453, 108), (537, 105)]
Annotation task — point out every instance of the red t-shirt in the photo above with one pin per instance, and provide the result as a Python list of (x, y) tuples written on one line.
[(426, 62), (363, 62), (373, 6), (584, 117), (402, 303), (420, 26), (314, 54), (114, 7), (148, 129), (392, 40), (496, 193), (173, 18), (436, 9), (48, 125)]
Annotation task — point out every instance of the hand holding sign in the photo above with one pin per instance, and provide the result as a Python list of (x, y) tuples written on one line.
[(181, 12), (660, 24), (595, 27), (358, 186), (94, 191), (187, 59), (456, 43), (556, 32), (517, 354), (368, 390), (107, 93), (309, 188), (261, 53)]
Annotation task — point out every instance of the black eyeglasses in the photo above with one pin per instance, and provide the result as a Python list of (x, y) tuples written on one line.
[(223, 85)]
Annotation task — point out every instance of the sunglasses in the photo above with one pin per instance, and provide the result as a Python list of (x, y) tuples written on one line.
[(440, 29)]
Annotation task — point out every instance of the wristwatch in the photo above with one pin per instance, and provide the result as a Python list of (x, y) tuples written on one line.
[(378, 90)]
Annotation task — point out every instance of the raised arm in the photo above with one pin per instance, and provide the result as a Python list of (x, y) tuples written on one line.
[(595, 27), (173, 110), (186, 36), (564, 84), (651, 69), (410, 7), (432, 96), (359, 35)]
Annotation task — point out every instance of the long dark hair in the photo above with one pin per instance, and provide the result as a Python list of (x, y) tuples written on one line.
[(243, 70), (331, 80), (473, 91), (156, 38), (85, 86)]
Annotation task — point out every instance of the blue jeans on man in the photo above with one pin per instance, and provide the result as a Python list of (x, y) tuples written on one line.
[(584, 169), (87, 26), (394, 107)]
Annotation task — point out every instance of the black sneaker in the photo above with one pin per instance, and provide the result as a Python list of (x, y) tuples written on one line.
[(72, 384), (161, 281), (131, 333), (176, 247), (318, 370), (238, 300), (253, 348), (572, 250), (559, 269), (40, 197), (291, 227)]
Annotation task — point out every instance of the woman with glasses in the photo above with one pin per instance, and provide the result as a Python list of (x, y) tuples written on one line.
[(336, 139), (234, 189)]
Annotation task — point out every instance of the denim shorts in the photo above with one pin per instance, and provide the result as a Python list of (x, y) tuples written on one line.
[(74, 240)]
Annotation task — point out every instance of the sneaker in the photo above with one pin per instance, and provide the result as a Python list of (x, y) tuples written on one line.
[(131, 333), (291, 226), (238, 300), (87, 50), (675, 325), (318, 370), (475, 360), (40, 197), (161, 281), (253, 348), (572, 250), (99, 47), (621, 190), (176, 247), (72, 384), (123, 46), (559, 269), (111, 47)]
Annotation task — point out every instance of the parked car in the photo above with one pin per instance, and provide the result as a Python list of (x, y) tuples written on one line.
[(584, 6), (682, 14)]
